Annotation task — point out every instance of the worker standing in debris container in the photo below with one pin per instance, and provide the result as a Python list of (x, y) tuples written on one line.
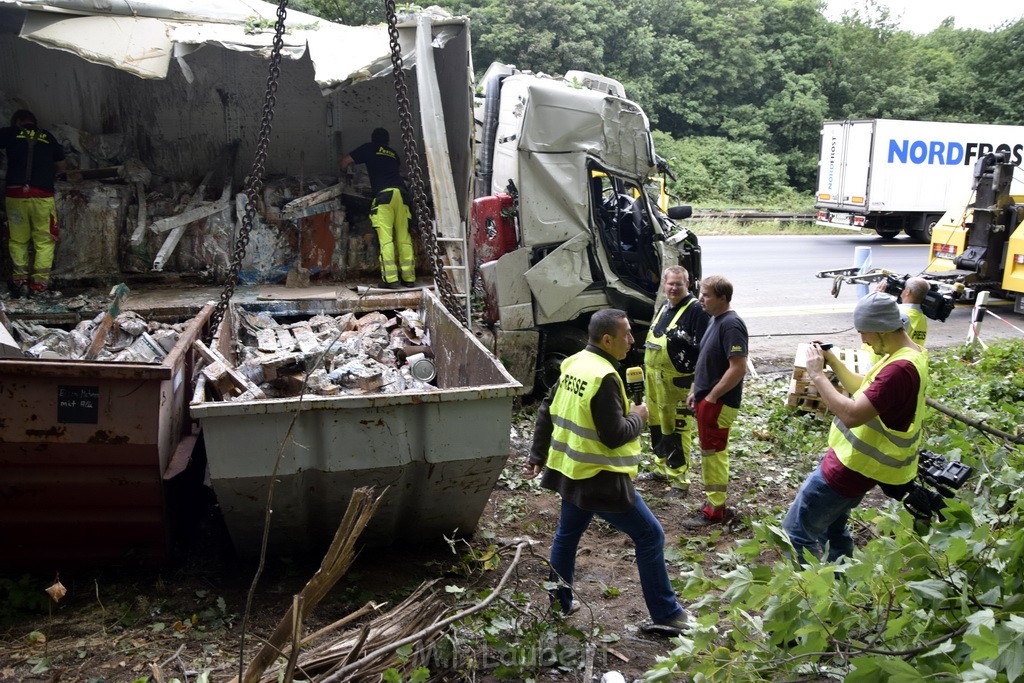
[(588, 436), (716, 394), (670, 357), (874, 436), (34, 157), (389, 213)]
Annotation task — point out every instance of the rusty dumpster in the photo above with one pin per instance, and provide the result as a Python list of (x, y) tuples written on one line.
[(437, 453), (85, 450)]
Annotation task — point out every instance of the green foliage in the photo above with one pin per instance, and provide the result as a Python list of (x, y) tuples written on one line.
[(349, 12), (946, 604), (754, 80), (254, 25), (519, 640), (24, 594), (714, 168)]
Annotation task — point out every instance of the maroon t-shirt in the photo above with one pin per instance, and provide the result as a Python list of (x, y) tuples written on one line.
[(894, 396)]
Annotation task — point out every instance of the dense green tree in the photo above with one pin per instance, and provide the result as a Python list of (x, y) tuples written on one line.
[(995, 62), (746, 81), (351, 12), (721, 171)]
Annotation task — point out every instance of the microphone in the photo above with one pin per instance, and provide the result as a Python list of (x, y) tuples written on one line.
[(635, 384)]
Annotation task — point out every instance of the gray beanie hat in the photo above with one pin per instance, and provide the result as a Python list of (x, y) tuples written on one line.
[(877, 312)]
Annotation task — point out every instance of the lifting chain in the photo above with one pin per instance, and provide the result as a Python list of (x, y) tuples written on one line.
[(423, 225), (254, 181)]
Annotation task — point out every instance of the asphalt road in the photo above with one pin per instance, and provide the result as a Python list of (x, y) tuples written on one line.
[(783, 302)]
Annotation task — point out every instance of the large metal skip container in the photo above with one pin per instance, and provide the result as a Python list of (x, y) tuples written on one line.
[(86, 452), (439, 453)]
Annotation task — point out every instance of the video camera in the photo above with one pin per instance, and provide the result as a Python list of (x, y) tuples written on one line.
[(945, 476), (936, 305)]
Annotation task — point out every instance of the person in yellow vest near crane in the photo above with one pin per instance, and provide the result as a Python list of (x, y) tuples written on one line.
[(875, 433), (914, 321), (587, 444), (914, 291)]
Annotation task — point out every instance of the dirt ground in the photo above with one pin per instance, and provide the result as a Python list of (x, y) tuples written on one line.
[(182, 621)]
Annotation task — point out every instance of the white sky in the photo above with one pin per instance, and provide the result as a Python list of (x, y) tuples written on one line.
[(922, 16)]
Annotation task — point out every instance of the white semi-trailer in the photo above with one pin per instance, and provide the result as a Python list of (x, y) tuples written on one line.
[(890, 176)]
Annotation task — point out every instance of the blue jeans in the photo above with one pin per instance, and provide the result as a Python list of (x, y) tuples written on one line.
[(817, 519), (648, 536)]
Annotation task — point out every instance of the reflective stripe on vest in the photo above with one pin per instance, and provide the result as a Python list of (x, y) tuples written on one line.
[(656, 345), (872, 449), (576, 451)]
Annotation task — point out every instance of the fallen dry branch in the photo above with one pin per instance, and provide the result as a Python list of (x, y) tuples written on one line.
[(977, 424), (413, 616), (336, 562), (358, 670)]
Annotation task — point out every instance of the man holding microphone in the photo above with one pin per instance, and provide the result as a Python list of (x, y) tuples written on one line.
[(587, 443)]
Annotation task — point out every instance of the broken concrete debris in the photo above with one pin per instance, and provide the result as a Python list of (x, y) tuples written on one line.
[(131, 339), (325, 355)]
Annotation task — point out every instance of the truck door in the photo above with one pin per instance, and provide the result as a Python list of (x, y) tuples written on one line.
[(626, 232), (844, 165)]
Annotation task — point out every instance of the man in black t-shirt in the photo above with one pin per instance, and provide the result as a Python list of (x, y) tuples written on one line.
[(34, 157), (389, 213), (716, 393)]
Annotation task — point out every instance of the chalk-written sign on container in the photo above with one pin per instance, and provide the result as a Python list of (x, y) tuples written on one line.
[(78, 405)]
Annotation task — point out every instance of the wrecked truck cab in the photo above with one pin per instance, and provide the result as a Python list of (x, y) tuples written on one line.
[(563, 222)]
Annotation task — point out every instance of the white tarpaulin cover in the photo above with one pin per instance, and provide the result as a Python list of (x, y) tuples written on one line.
[(141, 37)]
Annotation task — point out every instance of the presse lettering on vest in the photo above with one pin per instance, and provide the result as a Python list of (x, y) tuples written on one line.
[(574, 384), (947, 153)]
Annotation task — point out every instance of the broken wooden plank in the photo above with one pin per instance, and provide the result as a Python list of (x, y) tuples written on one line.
[(140, 224), (332, 205), (176, 233), (218, 380), (240, 381), (199, 395), (99, 338), (311, 199), (189, 216)]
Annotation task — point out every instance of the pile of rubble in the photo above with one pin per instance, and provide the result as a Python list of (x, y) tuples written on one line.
[(130, 339), (323, 355)]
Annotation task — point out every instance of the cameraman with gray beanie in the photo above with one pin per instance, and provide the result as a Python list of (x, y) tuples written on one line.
[(875, 433)]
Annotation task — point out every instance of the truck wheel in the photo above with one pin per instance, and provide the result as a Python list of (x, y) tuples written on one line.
[(923, 232), (558, 344), (887, 233)]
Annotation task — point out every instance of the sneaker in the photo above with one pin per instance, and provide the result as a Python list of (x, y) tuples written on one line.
[(708, 516), (556, 609), (668, 629), (383, 284)]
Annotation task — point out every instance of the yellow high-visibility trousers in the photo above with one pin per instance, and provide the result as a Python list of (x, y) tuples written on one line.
[(32, 219), (390, 216)]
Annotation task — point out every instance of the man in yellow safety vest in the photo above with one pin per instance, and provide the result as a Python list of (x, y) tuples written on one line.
[(875, 433), (587, 444)]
